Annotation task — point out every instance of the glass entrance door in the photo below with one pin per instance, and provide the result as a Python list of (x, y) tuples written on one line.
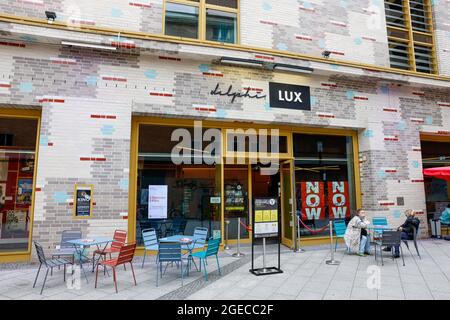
[(236, 200)]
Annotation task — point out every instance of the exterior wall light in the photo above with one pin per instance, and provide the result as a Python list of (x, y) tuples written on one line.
[(242, 62), (326, 54), (291, 68), (51, 16), (87, 45)]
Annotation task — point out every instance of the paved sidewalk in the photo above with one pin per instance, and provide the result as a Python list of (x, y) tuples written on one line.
[(306, 276)]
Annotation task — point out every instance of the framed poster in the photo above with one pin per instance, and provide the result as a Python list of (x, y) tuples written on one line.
[(83, 201), (157, 202)]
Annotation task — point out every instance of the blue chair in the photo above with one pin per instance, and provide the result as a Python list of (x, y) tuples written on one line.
[(379, 221), (201, 237), (168, 253), (339, 230), (67, 249), (150, 239), (211, 250)]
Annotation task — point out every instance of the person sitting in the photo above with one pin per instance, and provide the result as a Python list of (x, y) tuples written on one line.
[(408, 228), (356, 237), (445, 215)]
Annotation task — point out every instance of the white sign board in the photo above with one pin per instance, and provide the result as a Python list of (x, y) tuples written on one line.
[(157, 202)]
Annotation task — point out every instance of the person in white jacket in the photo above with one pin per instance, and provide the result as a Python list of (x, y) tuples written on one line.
[(356, 236)]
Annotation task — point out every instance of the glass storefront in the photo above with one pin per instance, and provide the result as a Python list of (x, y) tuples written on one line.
[(324, 178), (315, 174), (17, 165), (437, 191), (188, 191)]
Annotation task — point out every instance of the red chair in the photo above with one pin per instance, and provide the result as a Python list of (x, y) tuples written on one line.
[(126, 254), (119, 239)]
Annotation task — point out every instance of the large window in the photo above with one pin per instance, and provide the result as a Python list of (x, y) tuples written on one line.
[(212, 20), (17, 165), (324, 176), (437, 191), (174, 198), (410, 35)]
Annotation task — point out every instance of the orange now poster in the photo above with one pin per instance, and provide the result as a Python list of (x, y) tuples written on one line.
[(338, 200), (313, 200)]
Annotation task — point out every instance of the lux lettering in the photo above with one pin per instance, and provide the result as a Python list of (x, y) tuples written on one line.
[(289, 96)]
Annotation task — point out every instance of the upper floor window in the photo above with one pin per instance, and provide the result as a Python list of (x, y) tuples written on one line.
[(410, 35), (212, 20)]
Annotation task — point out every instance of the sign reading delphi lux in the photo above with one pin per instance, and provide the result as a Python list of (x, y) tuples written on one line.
[(289, 96)]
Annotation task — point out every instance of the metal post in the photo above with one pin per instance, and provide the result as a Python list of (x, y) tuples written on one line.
[(227, 224), (264, 254), (332, 261), (298, 248), (238, 253)]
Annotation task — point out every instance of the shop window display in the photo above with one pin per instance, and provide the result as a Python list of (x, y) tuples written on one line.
[(324, 181), (186, 194), (17, 165)]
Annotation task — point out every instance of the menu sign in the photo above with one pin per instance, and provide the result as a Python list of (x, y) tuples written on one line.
[(83, 200), (266, 218)]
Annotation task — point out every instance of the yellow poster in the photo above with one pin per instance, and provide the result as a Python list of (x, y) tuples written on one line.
[(274, 215), (267, 216), (258, 216)]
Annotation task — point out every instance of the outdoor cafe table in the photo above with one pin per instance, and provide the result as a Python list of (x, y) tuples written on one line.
[(79, 244)]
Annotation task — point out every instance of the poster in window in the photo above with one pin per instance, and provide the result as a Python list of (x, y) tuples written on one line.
[(338, 200), (157, 202), (24, 191), (26, 166), (313, 200), (83, 201)]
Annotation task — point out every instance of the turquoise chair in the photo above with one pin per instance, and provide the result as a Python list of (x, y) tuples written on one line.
[(211, 250), (200, 237), (150, 239), (339, 230), (378, 221)]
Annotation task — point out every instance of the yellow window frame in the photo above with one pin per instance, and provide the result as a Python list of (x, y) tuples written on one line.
[(202, 7), (17, 256)]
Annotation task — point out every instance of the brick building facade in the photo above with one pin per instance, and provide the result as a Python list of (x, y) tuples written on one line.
[(87, 97)]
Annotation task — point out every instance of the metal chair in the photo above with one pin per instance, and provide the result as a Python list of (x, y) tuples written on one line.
[(126, 254), (201, 237), (415, 234), (390, 239), (339, 230), (150, 239), (119, 239), (67, 249), (168, 253), (211, 250), (178, 227), (48, 263)]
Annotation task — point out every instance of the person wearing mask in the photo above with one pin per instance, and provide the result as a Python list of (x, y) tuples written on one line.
[(356, 236)]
